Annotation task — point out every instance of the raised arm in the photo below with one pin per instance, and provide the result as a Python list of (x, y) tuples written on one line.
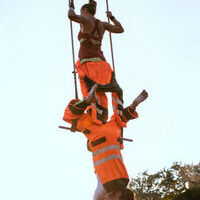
[(76, 18), (116, 28)]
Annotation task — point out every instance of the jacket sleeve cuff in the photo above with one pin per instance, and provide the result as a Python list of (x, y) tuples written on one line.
[(77, 106), (130, 113)]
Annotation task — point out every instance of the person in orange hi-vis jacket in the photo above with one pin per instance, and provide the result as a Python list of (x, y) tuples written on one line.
[(92, 67), (105, 142)]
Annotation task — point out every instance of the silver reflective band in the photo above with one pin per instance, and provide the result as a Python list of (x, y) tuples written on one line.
[(104, 149), (119, 112), (82, 40), (103, 160), (99, 101), (117, 101), (98, 110), (114, 107), (95, 59), (93, 41)]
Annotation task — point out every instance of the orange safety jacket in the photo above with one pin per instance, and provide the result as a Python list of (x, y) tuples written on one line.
[(105, 143)]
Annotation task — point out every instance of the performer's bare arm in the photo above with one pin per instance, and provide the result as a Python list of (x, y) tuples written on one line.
[(116, 28), (88, 24), (73, 16), (78, 18)]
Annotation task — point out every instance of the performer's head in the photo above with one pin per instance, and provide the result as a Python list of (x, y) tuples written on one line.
[(89, 8), (124, 194)]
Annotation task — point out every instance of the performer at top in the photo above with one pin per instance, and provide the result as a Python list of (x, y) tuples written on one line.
[(92, 67)]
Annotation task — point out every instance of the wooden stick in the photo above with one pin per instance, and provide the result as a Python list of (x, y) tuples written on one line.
[(128, 140), (63, 127), (66, 128)]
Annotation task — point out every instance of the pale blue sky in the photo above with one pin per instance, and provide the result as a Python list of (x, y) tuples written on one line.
[(159, 51)]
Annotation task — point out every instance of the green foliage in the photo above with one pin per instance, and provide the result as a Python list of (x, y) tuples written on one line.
[(167, 183), (190, 194)]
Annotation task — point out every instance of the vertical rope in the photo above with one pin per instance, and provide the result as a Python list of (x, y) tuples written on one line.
[(110, 36), (74, 67)]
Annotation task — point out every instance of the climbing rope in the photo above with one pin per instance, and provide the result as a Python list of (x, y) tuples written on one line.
[(73, 58), (110, 37)]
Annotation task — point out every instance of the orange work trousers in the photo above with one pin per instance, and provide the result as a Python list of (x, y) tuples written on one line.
[(100, 73)]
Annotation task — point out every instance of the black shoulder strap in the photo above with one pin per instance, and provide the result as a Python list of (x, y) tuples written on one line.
[(74, 124), (122, 131)]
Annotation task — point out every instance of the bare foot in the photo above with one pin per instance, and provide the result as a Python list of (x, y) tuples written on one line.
[(139, 99)]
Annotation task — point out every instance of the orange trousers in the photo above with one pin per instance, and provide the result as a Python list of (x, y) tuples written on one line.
[(100, 73)]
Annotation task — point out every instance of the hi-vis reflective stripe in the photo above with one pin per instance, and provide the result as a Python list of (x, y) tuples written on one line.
[(103, 160), (104, 149), (82, 40), (95, 59), (119, 112), (99, 101), (93, 41), (117, 101), (98, 110)]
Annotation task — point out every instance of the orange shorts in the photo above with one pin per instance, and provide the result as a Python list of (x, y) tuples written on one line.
[(101, 73)]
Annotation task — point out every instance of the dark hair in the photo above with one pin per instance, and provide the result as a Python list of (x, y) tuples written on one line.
[(91, 7), (127, 194)]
